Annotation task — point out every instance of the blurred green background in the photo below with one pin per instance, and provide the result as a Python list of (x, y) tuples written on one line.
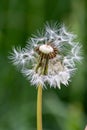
[(64, 109)]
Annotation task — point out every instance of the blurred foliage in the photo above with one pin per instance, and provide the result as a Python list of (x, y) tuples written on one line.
[(64, 109)]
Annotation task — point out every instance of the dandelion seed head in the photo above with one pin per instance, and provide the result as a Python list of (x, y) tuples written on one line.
[(49, 58)]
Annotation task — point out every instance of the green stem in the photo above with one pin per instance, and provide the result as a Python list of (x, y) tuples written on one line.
[(39, 97), (39, 108)]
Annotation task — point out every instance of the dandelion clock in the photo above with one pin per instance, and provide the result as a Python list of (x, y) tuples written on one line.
[(49, 58)]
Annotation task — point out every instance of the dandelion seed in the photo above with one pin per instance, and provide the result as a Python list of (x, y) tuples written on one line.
[(50, 58)]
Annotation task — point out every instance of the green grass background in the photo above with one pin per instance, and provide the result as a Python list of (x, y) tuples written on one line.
[(64, 109)]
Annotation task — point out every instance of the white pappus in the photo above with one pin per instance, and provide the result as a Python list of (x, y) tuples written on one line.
[(50, 58)]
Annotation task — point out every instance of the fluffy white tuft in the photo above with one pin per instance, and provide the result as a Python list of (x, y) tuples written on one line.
[(60, 68)]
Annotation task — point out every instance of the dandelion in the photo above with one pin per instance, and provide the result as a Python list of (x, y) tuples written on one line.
[(49, 58)]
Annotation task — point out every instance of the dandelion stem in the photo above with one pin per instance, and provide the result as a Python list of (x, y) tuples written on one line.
[(39, 94), (39, 108)]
